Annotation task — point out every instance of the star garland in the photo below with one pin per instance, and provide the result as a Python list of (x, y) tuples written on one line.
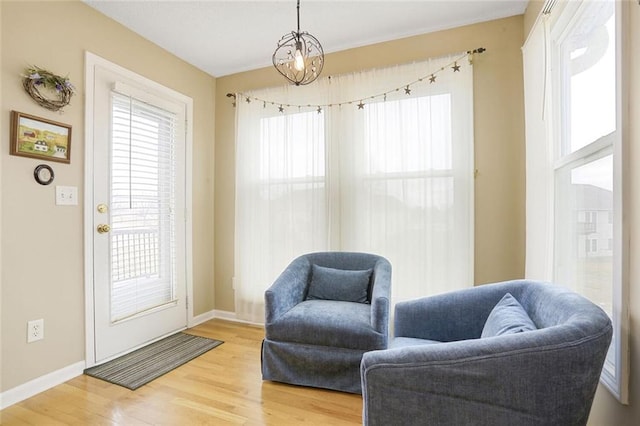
[(431, 77)]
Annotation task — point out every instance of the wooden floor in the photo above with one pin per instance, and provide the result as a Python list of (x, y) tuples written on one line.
[(223, 386)]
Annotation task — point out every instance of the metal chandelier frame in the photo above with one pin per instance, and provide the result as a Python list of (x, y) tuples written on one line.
[(299, 56)]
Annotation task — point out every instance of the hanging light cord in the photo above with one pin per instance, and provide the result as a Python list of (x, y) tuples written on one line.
[(298, 8)]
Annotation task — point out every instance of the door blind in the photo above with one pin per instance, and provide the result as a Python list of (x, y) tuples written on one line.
[(143, 185)]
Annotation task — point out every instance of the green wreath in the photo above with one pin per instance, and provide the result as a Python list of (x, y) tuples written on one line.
[(36, 78)]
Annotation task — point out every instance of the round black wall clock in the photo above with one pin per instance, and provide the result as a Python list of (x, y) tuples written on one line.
[(43, 174)]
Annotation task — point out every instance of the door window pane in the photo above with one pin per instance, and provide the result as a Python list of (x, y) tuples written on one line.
[(142, 207)]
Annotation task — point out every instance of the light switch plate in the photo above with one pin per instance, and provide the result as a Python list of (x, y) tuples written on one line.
[(66, 195)]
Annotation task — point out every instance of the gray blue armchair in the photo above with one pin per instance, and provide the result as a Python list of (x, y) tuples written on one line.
[(322, 313), (471, 357)]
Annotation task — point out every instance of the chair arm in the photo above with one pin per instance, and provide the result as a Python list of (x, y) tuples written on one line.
[(288, 290), (533, 379), (380, 295), (458, 315)]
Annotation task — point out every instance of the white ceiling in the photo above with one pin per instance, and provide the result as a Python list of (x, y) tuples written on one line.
[(225, 37)]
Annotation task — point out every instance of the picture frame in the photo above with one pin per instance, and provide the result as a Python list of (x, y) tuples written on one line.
[(40, 138)]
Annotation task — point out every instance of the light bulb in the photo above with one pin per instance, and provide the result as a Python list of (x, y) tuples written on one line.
[(298, 60)]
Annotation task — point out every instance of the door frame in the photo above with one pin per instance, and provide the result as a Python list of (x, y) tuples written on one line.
[(91, 61)]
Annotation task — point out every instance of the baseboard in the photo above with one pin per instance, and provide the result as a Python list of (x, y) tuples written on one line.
[(199, 319), (41, 384), (55, 378), (231, 316), (226, 315)]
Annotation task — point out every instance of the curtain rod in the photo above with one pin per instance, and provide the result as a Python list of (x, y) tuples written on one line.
[(469, 52)]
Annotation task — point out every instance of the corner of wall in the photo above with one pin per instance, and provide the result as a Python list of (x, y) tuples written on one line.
[(531, 15)]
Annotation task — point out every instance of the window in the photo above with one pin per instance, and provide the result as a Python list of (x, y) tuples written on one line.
[(392, 177), (587, 169), (410, 178), (143, 186), (292, 181)]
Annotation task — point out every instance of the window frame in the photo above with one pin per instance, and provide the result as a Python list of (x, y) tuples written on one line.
[(615, 375)]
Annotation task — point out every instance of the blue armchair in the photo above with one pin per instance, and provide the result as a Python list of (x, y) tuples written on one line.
[(322, 313), (439, 370)]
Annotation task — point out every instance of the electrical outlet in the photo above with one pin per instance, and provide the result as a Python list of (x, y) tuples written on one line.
[(35, 330)]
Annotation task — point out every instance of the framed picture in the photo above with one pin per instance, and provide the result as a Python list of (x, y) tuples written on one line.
[(40, 138)]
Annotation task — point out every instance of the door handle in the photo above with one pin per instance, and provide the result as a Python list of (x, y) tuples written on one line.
[(103, 228)]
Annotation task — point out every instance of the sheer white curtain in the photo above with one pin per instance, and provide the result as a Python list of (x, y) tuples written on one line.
[(281, 198), (407, 176), (539, 155), (394, 178)]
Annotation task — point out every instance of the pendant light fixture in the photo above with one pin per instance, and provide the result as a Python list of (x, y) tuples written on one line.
[(299, 56)]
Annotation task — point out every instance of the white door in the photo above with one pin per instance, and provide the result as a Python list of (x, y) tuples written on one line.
[(139, 224)]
